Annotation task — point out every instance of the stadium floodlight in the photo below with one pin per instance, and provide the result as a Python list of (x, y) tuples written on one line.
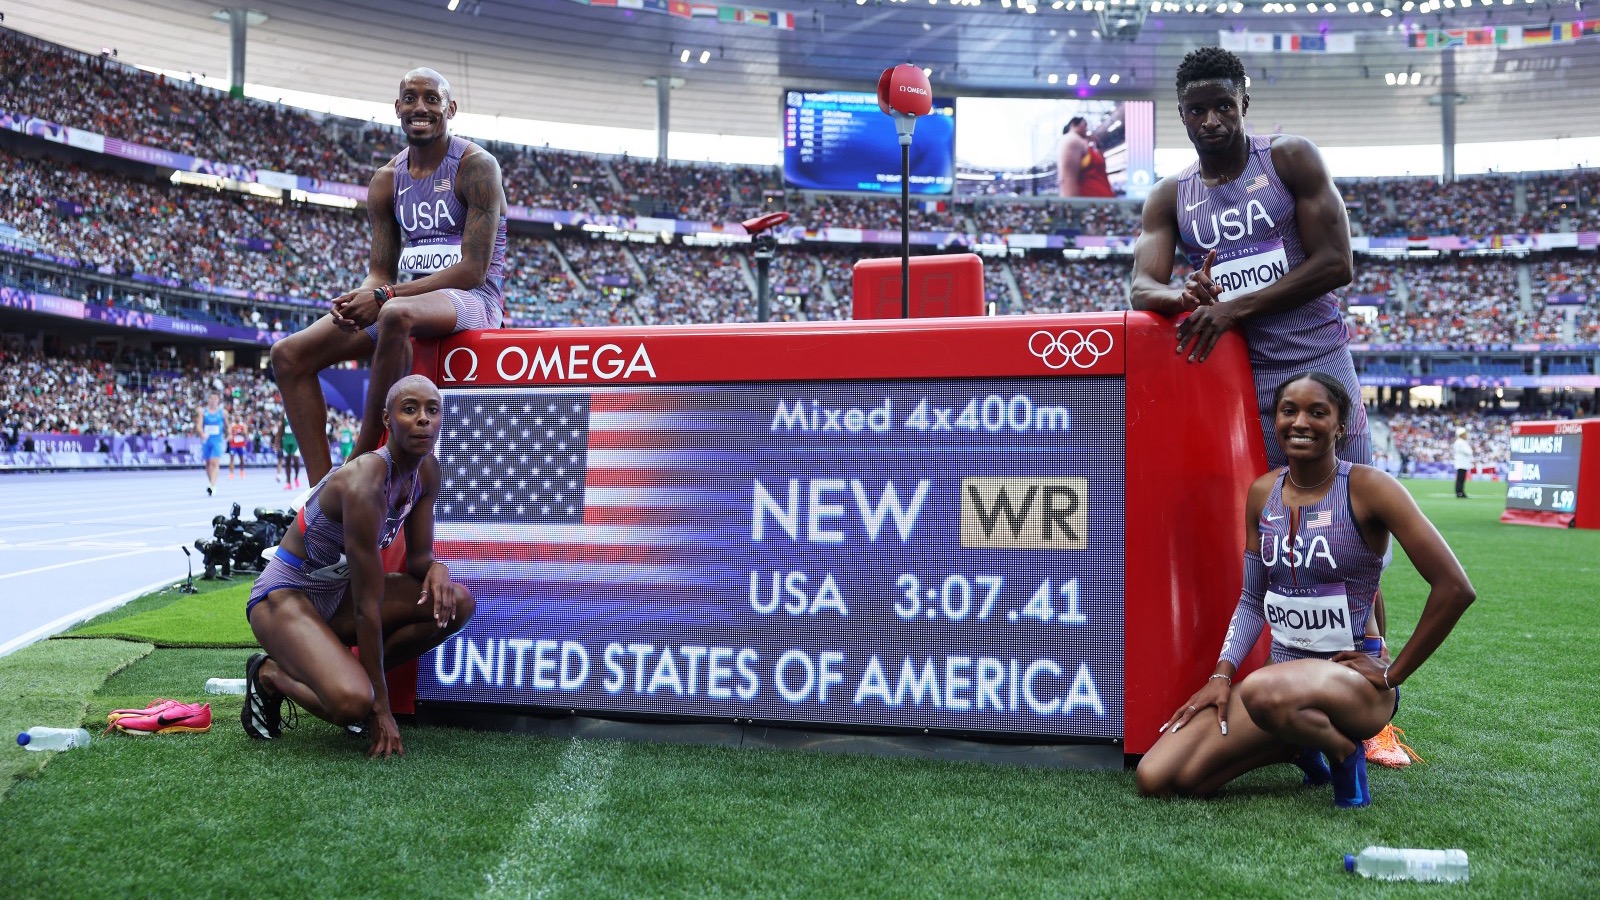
[(684, 56), (453, 5), (1388, 78), (1052, 79)]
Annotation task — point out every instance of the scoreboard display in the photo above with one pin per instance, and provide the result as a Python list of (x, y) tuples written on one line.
[(1544, 472), (1547, 482), (841, 141), (900, 525)]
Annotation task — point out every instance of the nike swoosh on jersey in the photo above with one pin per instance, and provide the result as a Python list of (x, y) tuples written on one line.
[(1196, 206), (402, 191), (1272, 518)]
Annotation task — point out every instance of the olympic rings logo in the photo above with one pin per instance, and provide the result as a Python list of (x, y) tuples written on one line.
[(1070, 346)]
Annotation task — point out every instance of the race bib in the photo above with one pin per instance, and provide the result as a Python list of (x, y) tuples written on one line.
[(1314, 618), (426, 259), (1245, 270), (339, 571), (213, 430)]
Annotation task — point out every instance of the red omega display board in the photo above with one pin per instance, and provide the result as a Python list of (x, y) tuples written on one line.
[(1010, 528), (1554, 475)]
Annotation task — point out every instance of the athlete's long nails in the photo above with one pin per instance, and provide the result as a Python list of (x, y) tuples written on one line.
[(1162, 729)]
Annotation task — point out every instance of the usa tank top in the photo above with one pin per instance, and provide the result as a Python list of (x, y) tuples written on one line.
[(1321, 575), (432, 218), (1250, 222), (324, 537)]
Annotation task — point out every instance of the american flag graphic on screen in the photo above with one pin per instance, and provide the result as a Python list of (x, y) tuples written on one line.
[(562, 491)]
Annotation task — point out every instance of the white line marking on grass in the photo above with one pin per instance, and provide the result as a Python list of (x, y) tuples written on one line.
[(73, 618), (556, 823)]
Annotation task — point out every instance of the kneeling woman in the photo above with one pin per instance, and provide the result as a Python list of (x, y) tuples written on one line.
[(1318, 535), (326, 590)]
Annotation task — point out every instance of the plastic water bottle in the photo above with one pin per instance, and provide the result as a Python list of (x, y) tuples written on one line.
[(1392, 864), (38, 738), (225, 685)]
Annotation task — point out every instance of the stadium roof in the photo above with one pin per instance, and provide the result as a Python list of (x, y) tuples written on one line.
[(564, 60)]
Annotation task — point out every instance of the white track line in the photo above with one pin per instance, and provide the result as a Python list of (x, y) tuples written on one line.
[(556, 823), (103, 534), (71, 619), (84, 562)]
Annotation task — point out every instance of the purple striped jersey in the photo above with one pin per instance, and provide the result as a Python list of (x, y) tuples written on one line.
[(1303, 551), (1250, 222), (432, 218), (324, 538)]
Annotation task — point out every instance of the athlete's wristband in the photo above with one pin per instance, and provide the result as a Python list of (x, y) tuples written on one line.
[(1227, 678), (383, 293)]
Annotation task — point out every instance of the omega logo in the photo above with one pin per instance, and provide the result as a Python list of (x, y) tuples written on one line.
[(572, 362)]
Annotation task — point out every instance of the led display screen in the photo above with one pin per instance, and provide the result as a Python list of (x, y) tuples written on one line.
[(940, 554), (841, 141), (1016, 146), (1544, 472)]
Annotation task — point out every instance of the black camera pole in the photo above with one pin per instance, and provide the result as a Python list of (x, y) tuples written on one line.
[(188, 586)]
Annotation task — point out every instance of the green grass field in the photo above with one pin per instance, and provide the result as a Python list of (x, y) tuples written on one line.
[(1505, 714)]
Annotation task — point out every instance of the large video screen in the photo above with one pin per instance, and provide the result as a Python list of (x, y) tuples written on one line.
[(939, 554), (841, 141), (1020, 146), (1544, 472)]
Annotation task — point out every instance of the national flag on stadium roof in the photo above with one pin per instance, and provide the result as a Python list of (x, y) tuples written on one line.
[(684, 9)]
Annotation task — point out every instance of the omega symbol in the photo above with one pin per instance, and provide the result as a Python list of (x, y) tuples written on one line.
[(1070, 346), (450, 367)]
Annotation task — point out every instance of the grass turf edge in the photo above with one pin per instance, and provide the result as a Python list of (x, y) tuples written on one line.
[(51, 683)]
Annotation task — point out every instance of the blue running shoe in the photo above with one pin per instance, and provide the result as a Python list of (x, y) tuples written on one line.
[(1315, 766), (1350, 781)]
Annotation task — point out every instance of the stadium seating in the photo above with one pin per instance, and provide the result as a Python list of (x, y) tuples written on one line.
[(213, 242)]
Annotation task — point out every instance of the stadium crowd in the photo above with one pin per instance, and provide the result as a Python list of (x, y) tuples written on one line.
[(68, 395), (102, 95), (1425, 435), (119, 223), (225, 240)]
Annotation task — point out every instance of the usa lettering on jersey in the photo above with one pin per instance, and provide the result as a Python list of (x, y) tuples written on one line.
[(426, 215), (1232, 224), (1298, 554)]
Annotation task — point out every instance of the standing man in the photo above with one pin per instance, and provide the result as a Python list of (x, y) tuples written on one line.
[(1462, 451), (210, 424), (438, 213), (1266, 231), (238, 442), (1264, 227), (289, 449)]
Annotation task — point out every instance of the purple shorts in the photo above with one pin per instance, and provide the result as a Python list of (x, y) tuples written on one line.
[(475, 309), (325, 597)]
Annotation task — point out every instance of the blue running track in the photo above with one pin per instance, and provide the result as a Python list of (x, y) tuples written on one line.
[(73, 545)]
